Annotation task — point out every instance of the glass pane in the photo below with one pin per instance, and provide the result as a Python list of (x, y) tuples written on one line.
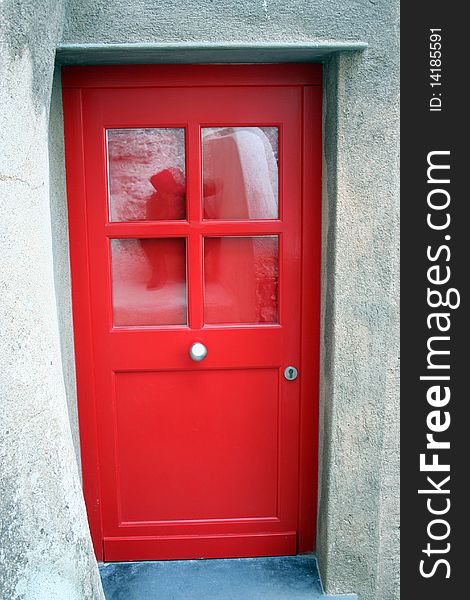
[(149, 281), (241, 278), (146, 171), (240, 172)]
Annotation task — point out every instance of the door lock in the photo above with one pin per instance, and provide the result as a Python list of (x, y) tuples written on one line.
[(290, 373)]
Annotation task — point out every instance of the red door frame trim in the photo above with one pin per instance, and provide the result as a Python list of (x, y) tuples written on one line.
[(83, 340), (310, 318), (121, 76), (74, 79)]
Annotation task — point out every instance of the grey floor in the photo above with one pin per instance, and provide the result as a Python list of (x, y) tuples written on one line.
[(272, 578)]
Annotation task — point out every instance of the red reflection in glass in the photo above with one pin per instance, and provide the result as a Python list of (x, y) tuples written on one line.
[(149, 281), (146, 171), (168, 202), (240, 172), (241, 278)]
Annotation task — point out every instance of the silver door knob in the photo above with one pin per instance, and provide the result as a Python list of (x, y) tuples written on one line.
[(198, 351)]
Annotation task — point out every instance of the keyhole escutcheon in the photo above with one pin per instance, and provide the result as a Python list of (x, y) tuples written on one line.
[(290, 373)]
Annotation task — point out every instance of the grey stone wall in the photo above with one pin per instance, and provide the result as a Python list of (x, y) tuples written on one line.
[(358, 533), (358, 500), (45, 549), (60, 252)]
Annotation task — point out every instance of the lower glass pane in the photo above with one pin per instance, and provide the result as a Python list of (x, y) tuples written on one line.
[(241, 276), (149, 281)]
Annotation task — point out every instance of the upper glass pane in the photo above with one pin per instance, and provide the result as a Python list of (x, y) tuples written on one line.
[(240, 172), (146, 173)]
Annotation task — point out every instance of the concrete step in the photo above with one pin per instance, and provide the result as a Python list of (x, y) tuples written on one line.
[(270, 578)]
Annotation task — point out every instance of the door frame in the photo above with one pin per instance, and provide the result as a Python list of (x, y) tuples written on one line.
[(309, 77)]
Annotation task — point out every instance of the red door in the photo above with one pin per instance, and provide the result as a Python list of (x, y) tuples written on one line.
[(194, 208)]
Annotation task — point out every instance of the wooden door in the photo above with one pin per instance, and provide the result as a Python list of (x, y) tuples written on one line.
[(194, 208)]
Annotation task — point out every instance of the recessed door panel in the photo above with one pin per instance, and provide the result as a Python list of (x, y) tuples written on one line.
[(216, 430), (194, 199)]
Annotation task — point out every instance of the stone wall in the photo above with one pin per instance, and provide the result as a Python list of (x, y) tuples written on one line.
[(358, 499), (45, 549)]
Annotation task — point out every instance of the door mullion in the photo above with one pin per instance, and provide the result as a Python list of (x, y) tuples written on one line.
[(195, 239), (195, 278), (193, 171)]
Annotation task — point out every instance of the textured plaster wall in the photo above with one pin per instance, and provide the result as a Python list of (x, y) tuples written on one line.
[(359, 480), (45, 549), (95, 21), (45, 546), (60, 251)]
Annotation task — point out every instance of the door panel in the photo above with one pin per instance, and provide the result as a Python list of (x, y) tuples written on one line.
[(229, 420), (192, 225)]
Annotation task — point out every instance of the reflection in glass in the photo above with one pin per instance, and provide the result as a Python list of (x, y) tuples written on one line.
[(146, 171), (149, 281), (241, 278), (240, 172)]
